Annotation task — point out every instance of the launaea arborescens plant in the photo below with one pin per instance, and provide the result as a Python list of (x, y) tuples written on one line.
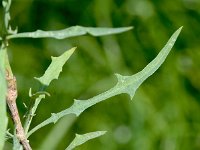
[(8, 92)]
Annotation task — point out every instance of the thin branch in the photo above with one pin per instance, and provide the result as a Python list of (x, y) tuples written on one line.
[(11, 101), (31, 112)]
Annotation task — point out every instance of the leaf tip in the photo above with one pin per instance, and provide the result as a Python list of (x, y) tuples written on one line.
[(70, 51), (127, 28), (76, 101), (36, 78), (131, 95), (130, 27), (73, 49), (119, 77), (103, 132), (179, 29)]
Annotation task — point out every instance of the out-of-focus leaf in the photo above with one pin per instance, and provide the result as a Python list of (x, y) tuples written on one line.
[(125, 84), (53, 138), (70, 32), (55, 67), (3, 89), (80, 139)]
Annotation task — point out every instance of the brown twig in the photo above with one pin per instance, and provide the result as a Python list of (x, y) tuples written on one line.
[(11, 102)]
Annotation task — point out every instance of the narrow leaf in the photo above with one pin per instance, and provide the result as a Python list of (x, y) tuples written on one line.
[(80, 139), (125, 84), (55, 68), (70, 32), (3, 89)]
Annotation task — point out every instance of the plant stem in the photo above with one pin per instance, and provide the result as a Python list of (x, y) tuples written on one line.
[(11, 102), (11, 81), (31, 112)]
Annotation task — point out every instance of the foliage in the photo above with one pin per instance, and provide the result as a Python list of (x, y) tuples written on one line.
[(125, 84)]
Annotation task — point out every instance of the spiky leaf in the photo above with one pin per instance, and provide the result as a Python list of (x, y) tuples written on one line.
[(55, 67)]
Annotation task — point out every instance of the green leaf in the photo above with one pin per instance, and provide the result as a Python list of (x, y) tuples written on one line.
[(3, 116), (80, 139), (70, 32), (55, 67), (125, 84)]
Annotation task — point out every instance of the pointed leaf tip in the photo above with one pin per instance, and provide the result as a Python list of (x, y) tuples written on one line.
[(119, 76), (180, 28), (178, 31), (102, 31)]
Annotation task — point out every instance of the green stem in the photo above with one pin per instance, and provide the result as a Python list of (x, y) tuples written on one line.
[(31, 112), (35, 101)]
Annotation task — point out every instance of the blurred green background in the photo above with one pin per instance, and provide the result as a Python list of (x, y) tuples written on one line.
[(165, 112)]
